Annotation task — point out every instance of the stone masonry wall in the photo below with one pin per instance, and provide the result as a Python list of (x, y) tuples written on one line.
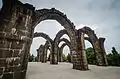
[(15, 39)]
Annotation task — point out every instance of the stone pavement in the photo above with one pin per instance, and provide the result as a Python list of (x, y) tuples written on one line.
[(39, 70)]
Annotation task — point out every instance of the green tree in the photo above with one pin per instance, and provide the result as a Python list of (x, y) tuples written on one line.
[(64, 58), (90, 56), (31, 58), (68, 58), (114, 50), (113, 58)]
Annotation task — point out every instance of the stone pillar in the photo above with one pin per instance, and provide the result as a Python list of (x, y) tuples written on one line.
[(81, 60), (38, 55), (101, 41), (15, 39), (45, 52), (41, 51), (98, 52), (60, 52), (45, 55), (53, 57)]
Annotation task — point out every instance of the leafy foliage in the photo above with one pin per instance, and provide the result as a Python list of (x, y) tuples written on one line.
[(68, 58), (90, 56), (64, 58), (112, 58), (31, 58)]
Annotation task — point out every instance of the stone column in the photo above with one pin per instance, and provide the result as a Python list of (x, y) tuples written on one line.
[(46, 47), (45, 55), (60, 52), (102, 40), (41, 51), (53, 57), (98, 52), (37, 55), (81, 60), (15, 39)]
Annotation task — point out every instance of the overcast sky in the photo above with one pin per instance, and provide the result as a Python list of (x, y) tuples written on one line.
[(101, 15)]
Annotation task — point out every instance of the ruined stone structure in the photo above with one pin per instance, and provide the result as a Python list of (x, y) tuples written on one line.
[(96, 43), (51, 45), (60, 53), (57, 41), (17, 24), (15, 38), (42, 53)]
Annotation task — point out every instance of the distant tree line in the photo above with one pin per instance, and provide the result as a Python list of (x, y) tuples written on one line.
[(113, 58)]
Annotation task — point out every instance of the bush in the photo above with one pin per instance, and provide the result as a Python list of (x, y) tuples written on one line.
[(90, 56), (113, 58), (31, 58)]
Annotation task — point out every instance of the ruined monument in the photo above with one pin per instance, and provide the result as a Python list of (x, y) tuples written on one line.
[(17, 24)]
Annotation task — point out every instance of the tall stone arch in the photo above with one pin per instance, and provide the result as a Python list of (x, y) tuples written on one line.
[(101, 60), (61, 50), (53, 14), (17, 23), (56, 41)]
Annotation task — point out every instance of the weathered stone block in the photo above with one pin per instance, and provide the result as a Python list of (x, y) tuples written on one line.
[(1, 70), (16, 45), (2, 62), (6, 53), (8, 76), (4, 44), (16, 53), (19, 75)]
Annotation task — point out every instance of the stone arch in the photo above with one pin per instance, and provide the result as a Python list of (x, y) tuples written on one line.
[(45, 36), (66, 41), (93, 39), (53, 14), (42, 52), (56, 41), (60, 52), (17, 23), (50, 42)]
